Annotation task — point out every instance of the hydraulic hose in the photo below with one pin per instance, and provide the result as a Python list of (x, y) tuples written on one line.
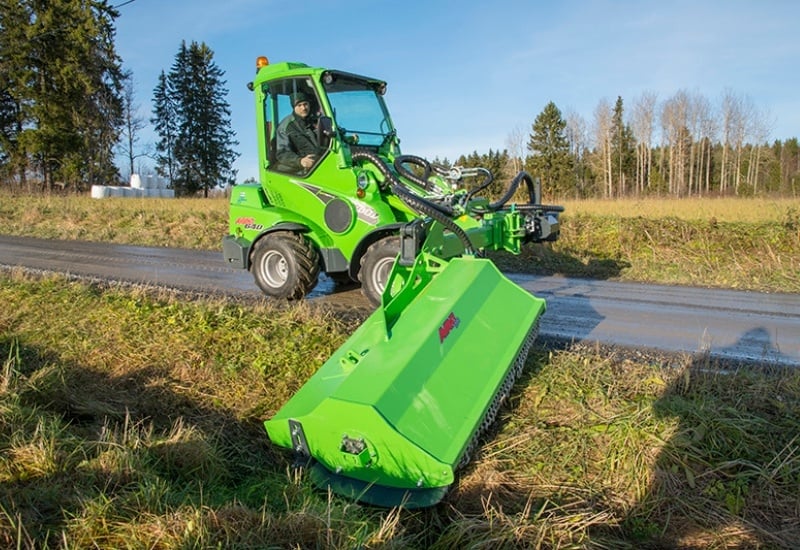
[(402, 160), (437, 212), (426, 207), (392, 179), (487, 180), (512, 188)]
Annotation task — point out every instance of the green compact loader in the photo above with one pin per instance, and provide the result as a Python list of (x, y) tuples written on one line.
[(338, 215), (401, 406)]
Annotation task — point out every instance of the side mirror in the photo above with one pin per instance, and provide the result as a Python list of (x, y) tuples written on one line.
[(325, 128)]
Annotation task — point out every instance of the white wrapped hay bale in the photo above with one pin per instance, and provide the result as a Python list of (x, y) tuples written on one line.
[(99, 191)]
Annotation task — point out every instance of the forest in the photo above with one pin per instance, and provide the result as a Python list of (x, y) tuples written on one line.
[(69, 120), (68, 112), (682, 146)]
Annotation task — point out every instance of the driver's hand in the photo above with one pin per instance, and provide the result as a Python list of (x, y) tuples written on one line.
[(307, 161)]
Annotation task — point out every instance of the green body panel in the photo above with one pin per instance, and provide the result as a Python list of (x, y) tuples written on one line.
[(254, 211), (416, 391), (330, 187)]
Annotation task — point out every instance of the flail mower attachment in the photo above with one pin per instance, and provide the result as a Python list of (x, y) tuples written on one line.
[(398, 408)]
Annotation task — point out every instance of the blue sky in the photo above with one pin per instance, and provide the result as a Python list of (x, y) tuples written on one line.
[(463, 75)]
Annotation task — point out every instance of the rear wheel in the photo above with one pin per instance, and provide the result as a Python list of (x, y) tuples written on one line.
[(376, 265), (285, 265)]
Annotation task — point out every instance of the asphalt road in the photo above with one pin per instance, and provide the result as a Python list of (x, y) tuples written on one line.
[(735, 325)]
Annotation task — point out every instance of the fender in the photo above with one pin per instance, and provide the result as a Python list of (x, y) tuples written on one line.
[(237, 251)]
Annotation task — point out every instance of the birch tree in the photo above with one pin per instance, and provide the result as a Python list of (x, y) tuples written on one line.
[(643, 124), (133, 123), (675, 133), (578, 138), (603, 115), (515, 145)]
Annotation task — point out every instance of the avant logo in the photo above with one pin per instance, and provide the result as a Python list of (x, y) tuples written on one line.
[(447, 327)]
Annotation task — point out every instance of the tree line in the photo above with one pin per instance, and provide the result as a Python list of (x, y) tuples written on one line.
[(68, 111), (682, 146), (67, 106)]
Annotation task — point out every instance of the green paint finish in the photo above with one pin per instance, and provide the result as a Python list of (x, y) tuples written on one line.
[(417, 394)]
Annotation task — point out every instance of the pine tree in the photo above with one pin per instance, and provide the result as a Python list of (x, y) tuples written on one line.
[(199, 137), (623, 150), (15, 19), (550, 159), (165, 122), (64, 84)]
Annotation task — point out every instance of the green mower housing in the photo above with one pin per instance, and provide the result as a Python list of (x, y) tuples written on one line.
[(397, 409)]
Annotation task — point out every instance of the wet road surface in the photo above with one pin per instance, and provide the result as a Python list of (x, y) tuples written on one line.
[(737, 325)]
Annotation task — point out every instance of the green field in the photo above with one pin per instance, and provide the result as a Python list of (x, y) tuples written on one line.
[(131, 418)]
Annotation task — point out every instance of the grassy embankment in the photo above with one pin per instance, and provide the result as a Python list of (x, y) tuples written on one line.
[(748, 243), (132, 419)]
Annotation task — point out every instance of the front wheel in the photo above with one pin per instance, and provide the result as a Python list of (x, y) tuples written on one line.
[(285, 265), (376, 265)]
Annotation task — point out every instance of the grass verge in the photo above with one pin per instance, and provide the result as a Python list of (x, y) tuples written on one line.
[(131, 419)]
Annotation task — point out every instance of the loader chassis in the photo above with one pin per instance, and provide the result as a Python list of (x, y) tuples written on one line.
[(336, 209)]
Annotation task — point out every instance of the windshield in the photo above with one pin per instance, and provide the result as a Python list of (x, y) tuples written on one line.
[(359, 110)]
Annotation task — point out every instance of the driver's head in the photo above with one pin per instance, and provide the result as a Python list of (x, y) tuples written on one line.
[(301, 104)]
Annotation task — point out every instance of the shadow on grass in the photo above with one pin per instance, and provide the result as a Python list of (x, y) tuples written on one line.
[(543, 260), (87, 451), (728, 476)]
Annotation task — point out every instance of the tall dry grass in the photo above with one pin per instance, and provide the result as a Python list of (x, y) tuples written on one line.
[(132, 419)]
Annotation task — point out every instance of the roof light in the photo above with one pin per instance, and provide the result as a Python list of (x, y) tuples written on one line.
[(261, 62)]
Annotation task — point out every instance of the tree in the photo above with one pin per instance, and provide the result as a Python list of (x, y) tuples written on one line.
[(622, 149), (550, 159), (515, 144), (15, 99), (736, 116), (704, 130), (62, 82), (165, 122), (678, 141), (577, 136), (788, 154), (133, 123), (603, 120), (642, 125), (196, 145)]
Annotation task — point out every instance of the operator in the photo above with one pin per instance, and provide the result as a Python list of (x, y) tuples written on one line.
[(297, 136)]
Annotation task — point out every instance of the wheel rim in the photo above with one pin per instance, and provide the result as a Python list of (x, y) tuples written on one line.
[(381, 273), (274, 268)]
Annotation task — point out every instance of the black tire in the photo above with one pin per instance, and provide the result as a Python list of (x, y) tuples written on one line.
[(376, 265), (285, 265)]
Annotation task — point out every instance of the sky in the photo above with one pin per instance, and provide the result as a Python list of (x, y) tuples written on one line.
[(464, 75)]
